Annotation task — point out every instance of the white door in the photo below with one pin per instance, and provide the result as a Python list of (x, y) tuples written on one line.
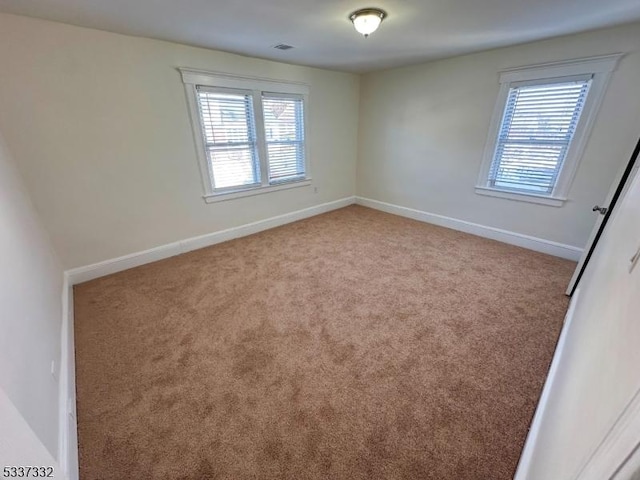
[(588, 421), (600, 211)]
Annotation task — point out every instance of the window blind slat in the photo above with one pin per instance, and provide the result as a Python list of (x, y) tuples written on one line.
[(284, 131), (230, 137), (538, 124)]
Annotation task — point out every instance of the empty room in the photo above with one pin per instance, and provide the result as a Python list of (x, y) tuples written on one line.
[(320, 240)]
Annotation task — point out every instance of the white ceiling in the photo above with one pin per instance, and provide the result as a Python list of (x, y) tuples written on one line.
[(415, 30)]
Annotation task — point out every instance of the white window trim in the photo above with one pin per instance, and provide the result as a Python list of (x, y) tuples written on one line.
[(259, 190), (601, 68), (192, 78)]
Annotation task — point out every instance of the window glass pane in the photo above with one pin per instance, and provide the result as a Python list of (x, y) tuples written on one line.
[(233, 167), (230, 140), (284, 132), (284, 160), (536, 132)]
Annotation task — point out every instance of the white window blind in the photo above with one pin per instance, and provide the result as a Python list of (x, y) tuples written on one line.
[(284, 132), (229, 131), (537, 128)]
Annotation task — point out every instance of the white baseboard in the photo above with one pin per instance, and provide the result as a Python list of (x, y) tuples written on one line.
[(107, 267), (532, 243), (526, 458), (67, 429)]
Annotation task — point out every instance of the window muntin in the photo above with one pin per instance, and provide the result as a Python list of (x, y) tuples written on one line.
[(537, 129)]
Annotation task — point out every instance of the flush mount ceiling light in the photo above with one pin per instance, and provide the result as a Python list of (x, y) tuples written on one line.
[(367, 20)]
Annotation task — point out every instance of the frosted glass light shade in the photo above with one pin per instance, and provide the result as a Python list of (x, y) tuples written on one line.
[(367, 20)]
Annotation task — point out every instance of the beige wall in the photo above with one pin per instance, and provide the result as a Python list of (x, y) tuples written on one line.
[(423, 131), (19, 445), (100, 125), (30, 308)]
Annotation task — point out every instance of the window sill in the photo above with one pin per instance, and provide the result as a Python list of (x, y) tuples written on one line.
[(522, 197), (221, 197)]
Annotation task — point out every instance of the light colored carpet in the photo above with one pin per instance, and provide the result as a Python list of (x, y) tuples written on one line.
[(352, 345)]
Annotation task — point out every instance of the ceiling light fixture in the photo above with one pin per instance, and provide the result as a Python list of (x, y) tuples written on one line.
[(367, 20)]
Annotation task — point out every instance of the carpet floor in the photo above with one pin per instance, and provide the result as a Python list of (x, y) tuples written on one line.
[(351, 345)]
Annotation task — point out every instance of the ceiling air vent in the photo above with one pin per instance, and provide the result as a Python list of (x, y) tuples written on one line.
[(283, 46)]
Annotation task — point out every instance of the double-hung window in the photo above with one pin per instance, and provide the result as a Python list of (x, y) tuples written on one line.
[(250, 133), (540, 126)]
